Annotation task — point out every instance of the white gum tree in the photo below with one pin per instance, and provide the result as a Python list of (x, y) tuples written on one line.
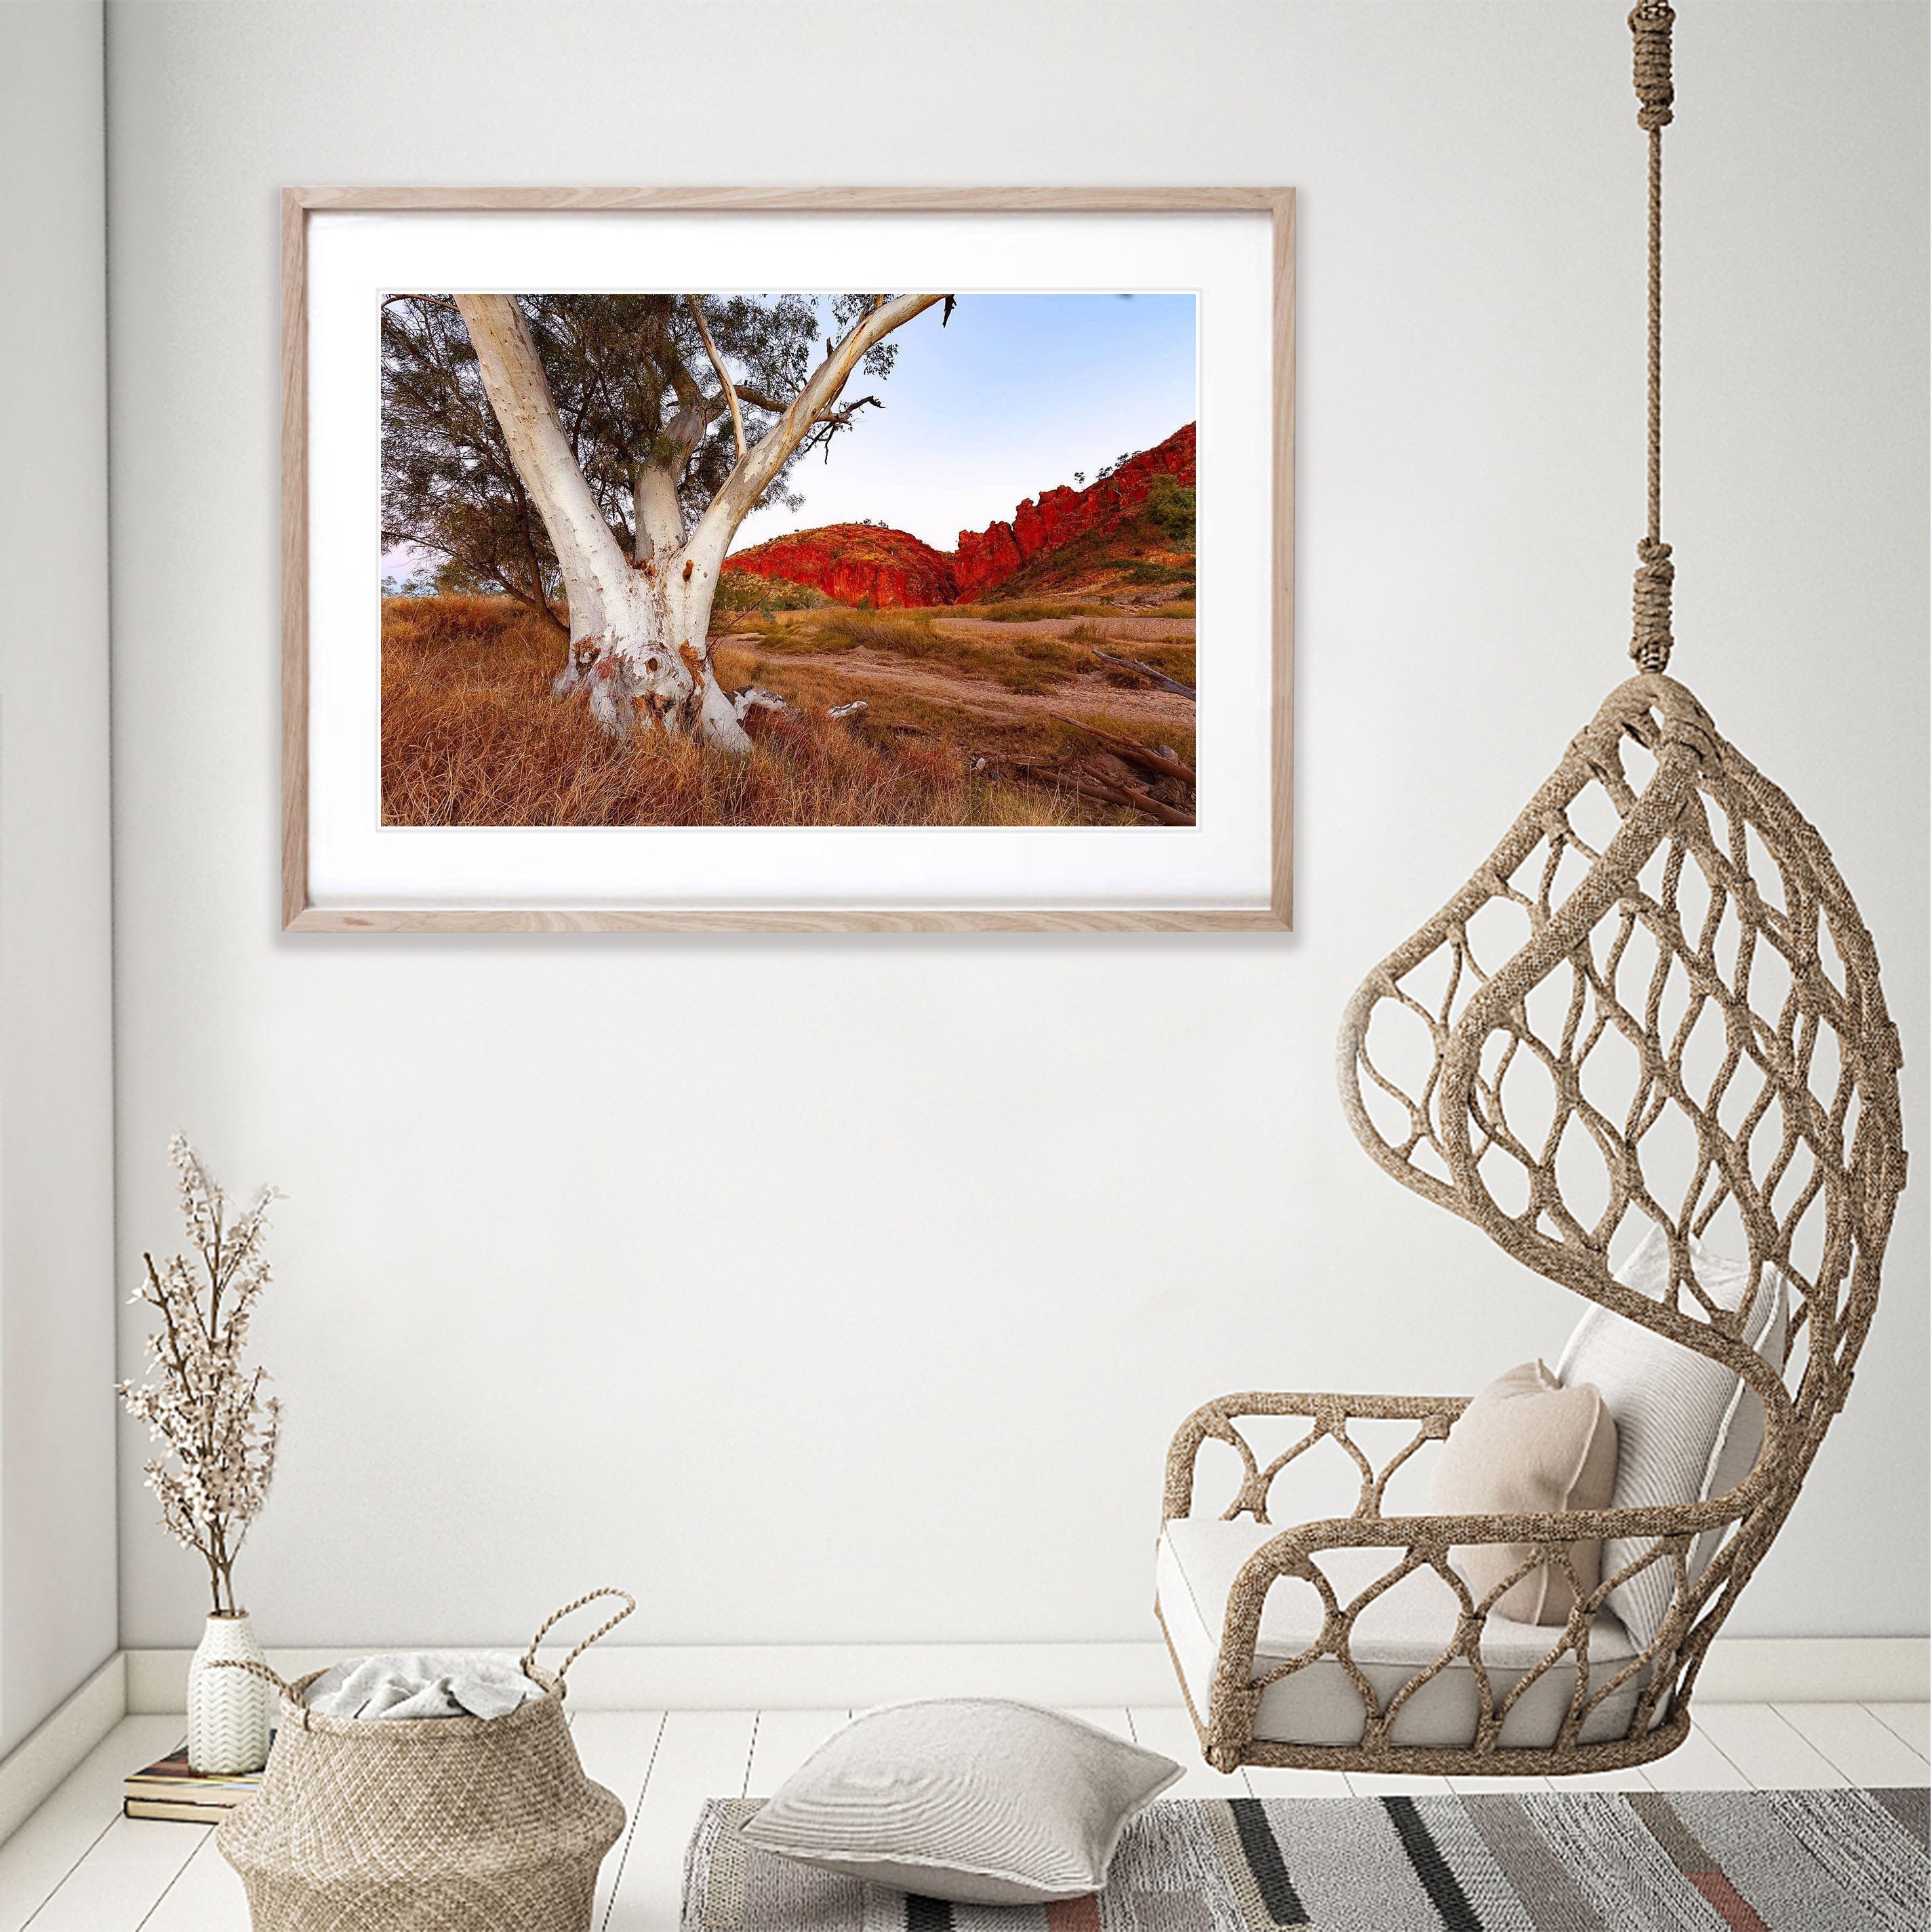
[(639, 622)]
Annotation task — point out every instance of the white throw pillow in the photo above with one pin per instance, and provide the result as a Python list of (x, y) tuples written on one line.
[(1688, 1429), (972, 1800)]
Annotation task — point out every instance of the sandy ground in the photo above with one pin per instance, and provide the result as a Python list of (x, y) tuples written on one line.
[(1091, 695), (978, 698)]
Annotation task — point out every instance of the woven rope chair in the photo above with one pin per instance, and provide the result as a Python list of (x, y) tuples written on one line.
[(1655, 1005)]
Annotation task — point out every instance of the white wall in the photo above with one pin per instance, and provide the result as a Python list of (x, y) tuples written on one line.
[(57, 1503), (856, 1297)]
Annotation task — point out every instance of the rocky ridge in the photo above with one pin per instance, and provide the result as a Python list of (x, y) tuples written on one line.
[(854, 563)]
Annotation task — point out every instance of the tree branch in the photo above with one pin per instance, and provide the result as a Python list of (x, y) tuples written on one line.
[(753, 473), (718, 363), (831, 421), (520, 397), (759, 400)]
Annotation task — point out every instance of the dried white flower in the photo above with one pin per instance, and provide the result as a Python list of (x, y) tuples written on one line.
[(220, 1430)]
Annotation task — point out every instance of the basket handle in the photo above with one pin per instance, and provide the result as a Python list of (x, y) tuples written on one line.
[(254, 1669), (630, 1604)]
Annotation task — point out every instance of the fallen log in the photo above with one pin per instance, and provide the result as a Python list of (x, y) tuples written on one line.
[(1090, 785), (1132, 748), (1159, 677), (1081, 782)]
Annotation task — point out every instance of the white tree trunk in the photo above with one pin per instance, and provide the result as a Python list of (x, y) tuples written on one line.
[(639, 653)]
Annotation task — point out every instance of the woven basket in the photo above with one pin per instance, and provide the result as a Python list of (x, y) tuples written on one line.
[(437, 1824)]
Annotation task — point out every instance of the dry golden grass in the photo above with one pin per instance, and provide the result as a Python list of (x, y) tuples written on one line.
[(961, 644), (1022, 613), (472, 736), (1176, 660)]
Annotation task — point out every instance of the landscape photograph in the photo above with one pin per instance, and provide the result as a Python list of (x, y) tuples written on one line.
[(772, 560)]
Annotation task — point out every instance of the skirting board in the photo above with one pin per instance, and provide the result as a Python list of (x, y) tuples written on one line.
[(762, 1677), (40, 1764), (1740, 1670)]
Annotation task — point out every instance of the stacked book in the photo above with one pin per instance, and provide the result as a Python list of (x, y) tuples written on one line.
[(170, 1789)]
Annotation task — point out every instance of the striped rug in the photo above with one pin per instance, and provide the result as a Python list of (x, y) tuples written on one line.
[(1565, 1862)]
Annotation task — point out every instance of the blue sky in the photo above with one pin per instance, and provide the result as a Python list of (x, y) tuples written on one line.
[(1012, 396)]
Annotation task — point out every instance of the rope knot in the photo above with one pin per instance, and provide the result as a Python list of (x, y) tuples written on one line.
[(1650, 639), (1650, 25)]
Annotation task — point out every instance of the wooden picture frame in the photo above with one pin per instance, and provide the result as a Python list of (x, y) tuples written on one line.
[(1266, 908)]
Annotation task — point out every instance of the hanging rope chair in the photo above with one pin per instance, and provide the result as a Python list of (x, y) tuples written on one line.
[(1654, 1009)]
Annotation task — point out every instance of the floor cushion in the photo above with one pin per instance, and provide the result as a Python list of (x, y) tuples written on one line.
[(976, 1800)]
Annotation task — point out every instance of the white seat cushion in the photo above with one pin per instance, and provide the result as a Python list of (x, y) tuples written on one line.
[(1402, 1631)]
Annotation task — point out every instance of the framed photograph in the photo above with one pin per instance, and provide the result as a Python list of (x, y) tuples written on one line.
[(637, 574)]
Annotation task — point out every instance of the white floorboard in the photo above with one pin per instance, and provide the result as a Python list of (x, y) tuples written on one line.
[(129, 1867), (205, 1896), (77, 1866), (1912, 1722), (1854, 1742), (617, 1748), (1167, 1728), (1397, 1784), (701, 1754), (60, 1834), (1696, 1765), (1637, 1778), (1274, 1780), (1766, 1749)]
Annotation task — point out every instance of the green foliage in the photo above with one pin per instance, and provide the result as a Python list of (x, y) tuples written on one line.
[(635, 388), (1170, 507), (746, 591)]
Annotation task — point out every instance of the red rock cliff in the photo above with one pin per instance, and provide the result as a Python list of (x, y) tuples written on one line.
[(986, 558), (853, 562)]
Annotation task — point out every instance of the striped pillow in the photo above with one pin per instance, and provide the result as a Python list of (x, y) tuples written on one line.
[(971, 1800), (1688, 1429)]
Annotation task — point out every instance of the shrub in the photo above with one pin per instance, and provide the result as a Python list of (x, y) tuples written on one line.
[(910, 633), (1047, 651), (746, 591), (1170, 506)]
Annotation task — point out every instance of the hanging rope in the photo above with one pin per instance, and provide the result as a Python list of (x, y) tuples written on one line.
[(1650, 637)]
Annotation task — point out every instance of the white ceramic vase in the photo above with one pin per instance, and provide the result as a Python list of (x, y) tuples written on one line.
[(229, 1712)]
